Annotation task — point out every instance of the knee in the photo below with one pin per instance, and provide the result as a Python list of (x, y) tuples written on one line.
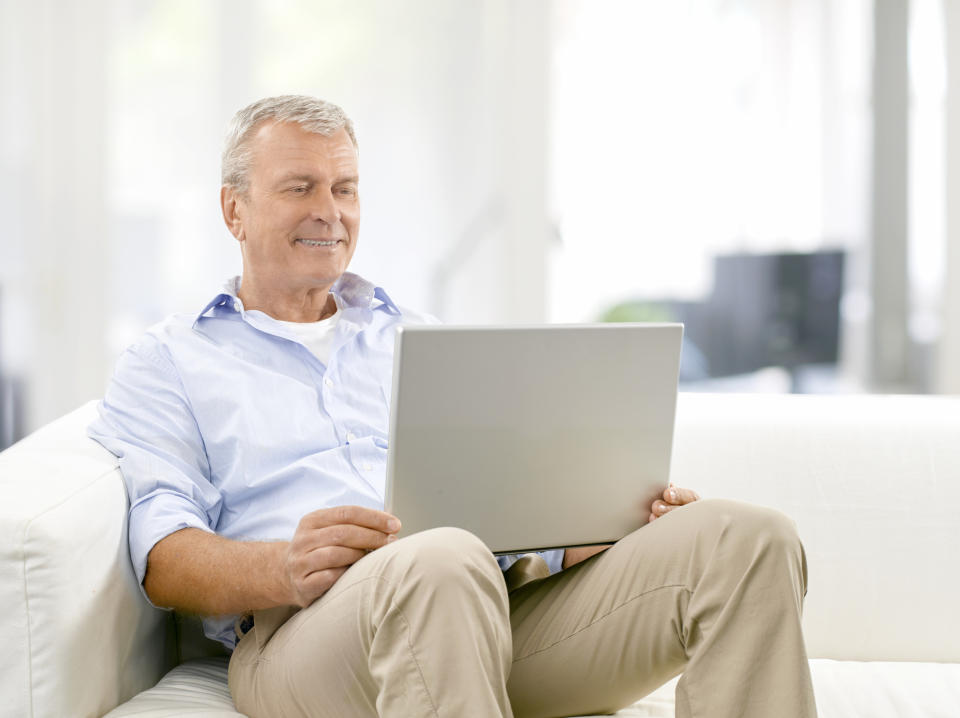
[(739, 521), (768, 526), (447, 542), (764, 536), (447, 556)]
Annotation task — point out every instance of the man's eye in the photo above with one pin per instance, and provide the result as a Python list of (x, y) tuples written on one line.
[(298, 190), (347, 191)]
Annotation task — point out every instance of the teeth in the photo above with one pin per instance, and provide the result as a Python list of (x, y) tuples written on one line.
[(318, 242)]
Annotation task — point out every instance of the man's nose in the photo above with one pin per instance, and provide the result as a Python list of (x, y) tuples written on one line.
[(325, 207)]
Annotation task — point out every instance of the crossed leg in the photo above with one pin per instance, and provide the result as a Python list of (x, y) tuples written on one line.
[(419, 627)]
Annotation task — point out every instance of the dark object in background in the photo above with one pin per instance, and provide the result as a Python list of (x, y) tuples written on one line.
[(11, 411), (773, 310), (765, 310), (11, 406)]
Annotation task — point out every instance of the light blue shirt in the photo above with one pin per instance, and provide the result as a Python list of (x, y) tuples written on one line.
[(225, 422)]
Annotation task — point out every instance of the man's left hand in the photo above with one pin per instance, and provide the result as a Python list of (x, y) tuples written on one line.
[(673, 498)]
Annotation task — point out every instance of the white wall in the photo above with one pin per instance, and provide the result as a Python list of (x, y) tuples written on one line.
[(112, 121), (53, 246)]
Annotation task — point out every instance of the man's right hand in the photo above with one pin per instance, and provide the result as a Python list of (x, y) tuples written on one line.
[(327, 542), (199, 572)]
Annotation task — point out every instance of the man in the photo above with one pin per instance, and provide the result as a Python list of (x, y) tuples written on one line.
[(252, 438)]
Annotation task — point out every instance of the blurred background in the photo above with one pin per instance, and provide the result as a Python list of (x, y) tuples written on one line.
[(776, 174)]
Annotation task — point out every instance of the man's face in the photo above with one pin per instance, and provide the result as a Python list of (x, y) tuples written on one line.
[(298, 223)]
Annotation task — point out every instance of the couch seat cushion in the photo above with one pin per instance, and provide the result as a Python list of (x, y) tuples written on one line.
[(879, 689), (195, 689), (844, 689)]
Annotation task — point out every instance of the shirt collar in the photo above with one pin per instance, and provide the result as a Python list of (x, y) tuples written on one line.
[(352, 290)]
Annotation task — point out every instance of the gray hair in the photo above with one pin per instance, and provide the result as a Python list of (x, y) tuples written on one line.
[(311, 113)]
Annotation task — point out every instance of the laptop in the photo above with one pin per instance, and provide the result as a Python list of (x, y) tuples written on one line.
[(532, 438)]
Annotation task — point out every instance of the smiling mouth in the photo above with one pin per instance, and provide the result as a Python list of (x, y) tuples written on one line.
[(318, 242)]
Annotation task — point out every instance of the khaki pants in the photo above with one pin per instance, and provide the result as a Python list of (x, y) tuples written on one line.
[(425, 627)]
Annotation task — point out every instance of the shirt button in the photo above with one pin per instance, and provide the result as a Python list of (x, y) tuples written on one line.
[(351, 436), (236, 305), (368, 467), (328, 381)]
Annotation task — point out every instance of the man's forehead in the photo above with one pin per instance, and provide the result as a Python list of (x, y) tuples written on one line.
[(290, 142)]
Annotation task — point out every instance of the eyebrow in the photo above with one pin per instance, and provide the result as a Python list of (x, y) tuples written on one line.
[(302, 177)]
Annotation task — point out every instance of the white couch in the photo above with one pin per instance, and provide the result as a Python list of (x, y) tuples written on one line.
[(872, 482)]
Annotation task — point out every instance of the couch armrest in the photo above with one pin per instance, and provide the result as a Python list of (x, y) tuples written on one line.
[(78, 636)]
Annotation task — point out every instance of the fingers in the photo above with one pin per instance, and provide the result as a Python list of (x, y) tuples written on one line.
[(677, 496), (661, 508), (355, 515), (302, 565), (346, 535), (326, 558), (314, 585), (673, 498)]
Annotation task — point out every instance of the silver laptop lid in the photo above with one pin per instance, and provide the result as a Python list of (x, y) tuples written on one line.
[(531, 437)]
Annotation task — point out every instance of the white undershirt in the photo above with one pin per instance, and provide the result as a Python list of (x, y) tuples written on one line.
[(317, 336)]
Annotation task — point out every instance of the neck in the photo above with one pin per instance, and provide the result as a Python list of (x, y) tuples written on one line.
[(288, 305)]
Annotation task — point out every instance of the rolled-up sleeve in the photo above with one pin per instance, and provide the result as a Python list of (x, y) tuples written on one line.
[(146, 421)]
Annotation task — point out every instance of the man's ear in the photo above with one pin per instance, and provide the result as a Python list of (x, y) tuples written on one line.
[(230, 205)]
